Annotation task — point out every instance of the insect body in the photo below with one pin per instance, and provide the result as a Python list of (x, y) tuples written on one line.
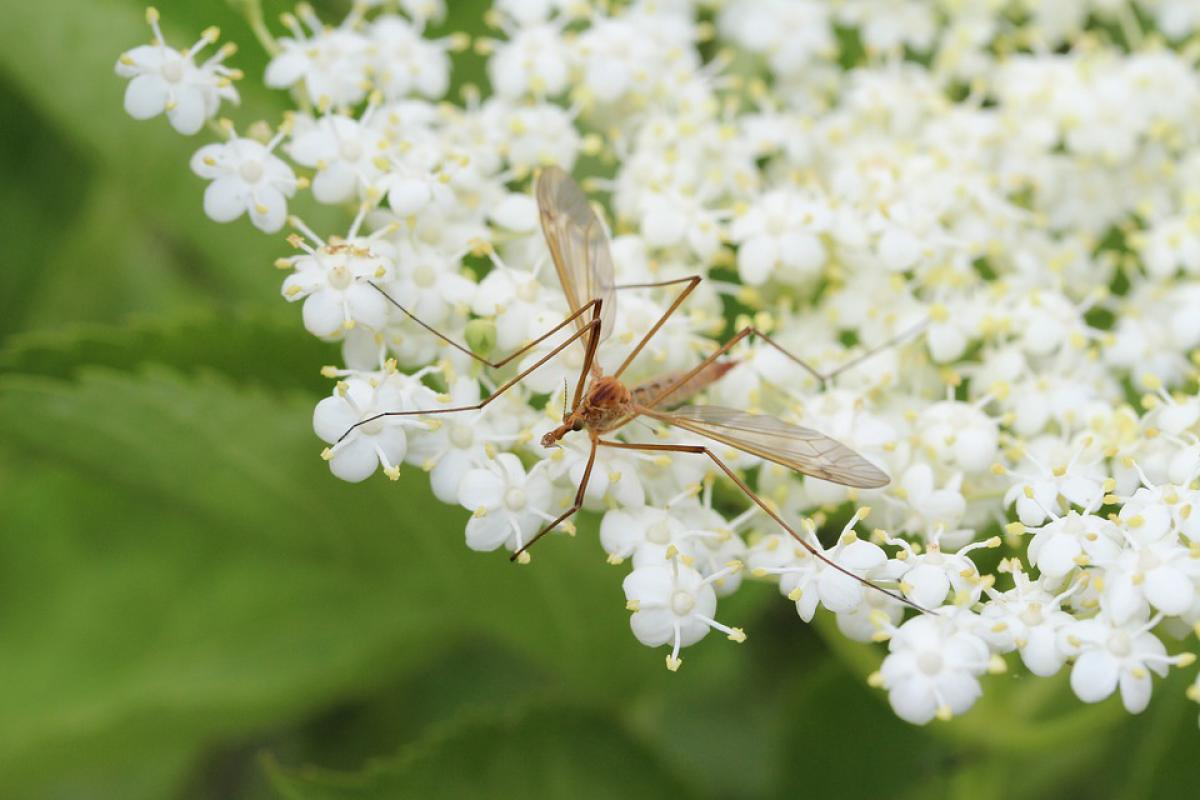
[(602, 403)]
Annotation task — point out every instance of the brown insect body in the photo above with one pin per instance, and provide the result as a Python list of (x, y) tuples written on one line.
[(609, 403)]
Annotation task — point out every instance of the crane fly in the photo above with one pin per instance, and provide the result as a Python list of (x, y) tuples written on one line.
[(602, 403)]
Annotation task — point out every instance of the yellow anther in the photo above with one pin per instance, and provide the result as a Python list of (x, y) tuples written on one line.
[(327, 453), (633, 605), (673, 663)]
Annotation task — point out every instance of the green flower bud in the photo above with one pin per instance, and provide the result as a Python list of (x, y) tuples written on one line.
[(481, 336)]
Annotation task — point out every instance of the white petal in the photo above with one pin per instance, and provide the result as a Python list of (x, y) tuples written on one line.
[(1094, 676), (323, 315), (649, 585), (839, 593), (756, 258), (334, 184), (189, 112), (488, 532), (1169, 590), (355, 461), (653, 627), (332, 417), (480, 488), (1040, 653), (206, 162), (929, 585), (448, 474), (861, 556), (367, 305), (146, 96), (225, 199), (913, 701), (1056, 556), (268, 209), (802, 251), (1135, 691), (286, 69), (960, 690)]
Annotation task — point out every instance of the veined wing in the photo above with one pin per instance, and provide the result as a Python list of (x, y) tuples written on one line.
[(578, 245), (802, 449)]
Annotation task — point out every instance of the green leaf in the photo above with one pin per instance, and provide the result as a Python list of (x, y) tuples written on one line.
[(187, 569), (549, 752), (267, 349), (38, 199), (137, 171)]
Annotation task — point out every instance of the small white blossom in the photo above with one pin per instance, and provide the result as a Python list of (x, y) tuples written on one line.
[(247, 178), (1108, 655), (510, 505), (674, 604), (932, 669), (164, 79)]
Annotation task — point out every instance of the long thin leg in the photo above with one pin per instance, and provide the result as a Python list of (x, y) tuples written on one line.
[(468, 351), (692, 282), (863, 356), (578, 504), (758, 501), (524, 348), (592, 326), (748, 331)]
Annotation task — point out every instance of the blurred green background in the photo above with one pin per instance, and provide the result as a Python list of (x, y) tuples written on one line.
[(192, 607)]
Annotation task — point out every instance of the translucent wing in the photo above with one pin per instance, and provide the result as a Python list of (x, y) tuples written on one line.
[(801, 449), (578, 245)]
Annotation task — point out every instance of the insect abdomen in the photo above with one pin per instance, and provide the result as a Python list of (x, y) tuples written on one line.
[(646, 392)]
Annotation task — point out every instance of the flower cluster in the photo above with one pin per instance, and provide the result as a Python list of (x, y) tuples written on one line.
[(1015, 178)]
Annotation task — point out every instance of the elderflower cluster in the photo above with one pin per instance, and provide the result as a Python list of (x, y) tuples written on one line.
[(1017, 181)]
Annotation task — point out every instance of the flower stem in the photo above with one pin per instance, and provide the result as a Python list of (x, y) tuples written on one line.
[(252, 11)]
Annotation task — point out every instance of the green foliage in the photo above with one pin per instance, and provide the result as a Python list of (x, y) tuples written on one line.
[(192, 607), (554, 751)]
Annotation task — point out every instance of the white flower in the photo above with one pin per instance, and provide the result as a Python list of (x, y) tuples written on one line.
[(781, 231), (334, 280), (1153, 569), (332, 63), (344, 153), (510, 505), (614, 477), (380, 441), (405, 62), (1037, 494), (428, 284), (533, 62), (919, 504), (1108, 655), (674, 604), (455, 443), (1027, 618), (164, 79), (959, 435), (928, 577), (689, 531), (809, 580), (932, 669), (1072, 541), (247, 178)]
